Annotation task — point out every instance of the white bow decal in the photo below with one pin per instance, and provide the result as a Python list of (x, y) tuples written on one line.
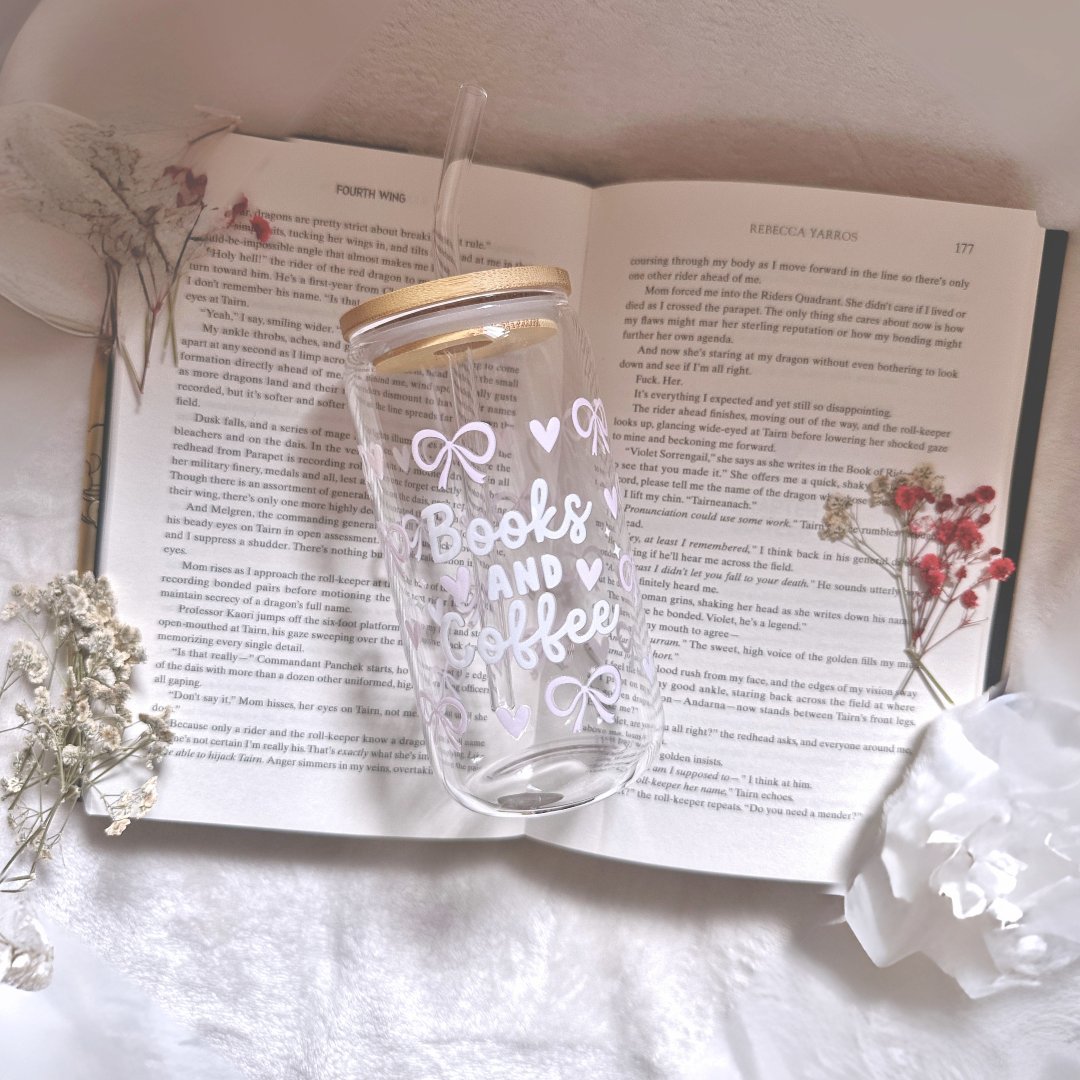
[(450, 449), (438, 712), (396, 544), (586, 693), (596, 421)]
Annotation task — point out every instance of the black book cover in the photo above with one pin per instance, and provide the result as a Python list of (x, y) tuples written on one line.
[(1027, 438)]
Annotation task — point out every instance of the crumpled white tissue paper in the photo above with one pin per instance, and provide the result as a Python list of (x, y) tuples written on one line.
[(977, 861)]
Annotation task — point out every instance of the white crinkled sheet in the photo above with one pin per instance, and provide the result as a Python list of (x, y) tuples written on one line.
[(320, 958), (308, 957), (94, 1024)]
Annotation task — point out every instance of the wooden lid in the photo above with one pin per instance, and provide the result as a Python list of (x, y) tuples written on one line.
[(443, 292), (477, 342)]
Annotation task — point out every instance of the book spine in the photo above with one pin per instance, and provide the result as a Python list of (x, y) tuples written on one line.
[(1027, 438)]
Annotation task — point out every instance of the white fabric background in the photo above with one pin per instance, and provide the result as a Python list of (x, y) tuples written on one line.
[(292, 956)]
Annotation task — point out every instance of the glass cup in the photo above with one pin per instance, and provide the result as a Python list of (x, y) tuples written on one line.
[(485, 450)]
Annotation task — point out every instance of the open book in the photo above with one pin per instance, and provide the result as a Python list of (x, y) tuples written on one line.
[(758, 348)]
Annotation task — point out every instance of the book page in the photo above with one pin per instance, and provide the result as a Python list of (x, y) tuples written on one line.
[(238, 531), (760, 348)]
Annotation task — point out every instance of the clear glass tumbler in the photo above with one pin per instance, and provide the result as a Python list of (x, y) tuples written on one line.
[(485, 450)]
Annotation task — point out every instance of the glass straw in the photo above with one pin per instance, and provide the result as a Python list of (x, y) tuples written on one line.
[(460, 146)]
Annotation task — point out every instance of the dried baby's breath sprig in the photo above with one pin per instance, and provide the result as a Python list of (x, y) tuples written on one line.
[(883, 488), (839, 519), (76, 727)]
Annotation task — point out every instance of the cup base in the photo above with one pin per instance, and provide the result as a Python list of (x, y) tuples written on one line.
[(529, 800), (548, 779)]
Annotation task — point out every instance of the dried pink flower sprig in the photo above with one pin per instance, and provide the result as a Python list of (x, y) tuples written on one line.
[(135, 196), (76, 728), (171, 236), (940, 561)]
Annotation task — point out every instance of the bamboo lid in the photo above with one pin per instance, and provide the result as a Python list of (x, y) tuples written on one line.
[(444, 292)]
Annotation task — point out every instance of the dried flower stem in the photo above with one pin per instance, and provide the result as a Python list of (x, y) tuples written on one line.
[(159, 283), (939, 561)]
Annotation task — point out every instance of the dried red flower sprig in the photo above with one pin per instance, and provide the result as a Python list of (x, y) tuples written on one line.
[(940, 560), (137, 197), (160, 290), (190, 188), (261, 227)]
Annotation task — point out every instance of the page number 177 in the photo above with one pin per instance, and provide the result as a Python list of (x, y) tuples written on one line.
[(964, 249)]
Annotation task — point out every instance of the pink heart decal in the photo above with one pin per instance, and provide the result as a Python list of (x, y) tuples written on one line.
[(373, 455), (650, 669), (589, 574), (599, 647), (611, 497), (515, 722), (401, 456), (545, 435), (414, 630), (458, 587)]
